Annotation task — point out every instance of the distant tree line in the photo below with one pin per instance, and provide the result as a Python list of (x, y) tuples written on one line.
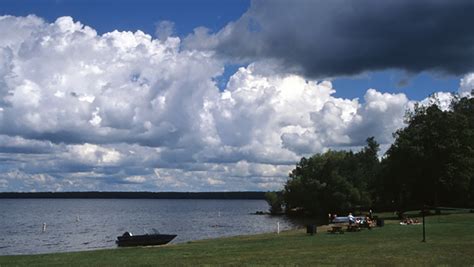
[(138, 195), (430, 163)]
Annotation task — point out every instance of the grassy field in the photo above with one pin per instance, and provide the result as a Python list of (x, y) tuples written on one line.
[(450, 241)]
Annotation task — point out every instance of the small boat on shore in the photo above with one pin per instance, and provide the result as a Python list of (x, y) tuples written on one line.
[(129, 240)]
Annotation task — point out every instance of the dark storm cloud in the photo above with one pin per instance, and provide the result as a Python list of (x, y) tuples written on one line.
[(342, 37)]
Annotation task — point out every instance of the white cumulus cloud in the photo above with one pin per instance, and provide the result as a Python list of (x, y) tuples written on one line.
[(125, 111)]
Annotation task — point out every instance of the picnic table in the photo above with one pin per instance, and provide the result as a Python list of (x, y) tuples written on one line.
[(336, 229), (353, 228)]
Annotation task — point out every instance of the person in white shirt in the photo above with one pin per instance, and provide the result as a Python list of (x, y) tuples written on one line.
[(351, 218)]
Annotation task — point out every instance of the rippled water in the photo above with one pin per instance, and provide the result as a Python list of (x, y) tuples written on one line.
[(85, 224)]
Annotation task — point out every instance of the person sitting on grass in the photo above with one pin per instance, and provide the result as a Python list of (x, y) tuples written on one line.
[(368, 222), (407, 221)]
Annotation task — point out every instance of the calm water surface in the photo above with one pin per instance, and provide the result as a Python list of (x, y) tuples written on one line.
[(85, 224)]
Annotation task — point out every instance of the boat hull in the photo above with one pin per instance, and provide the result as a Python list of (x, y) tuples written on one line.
[(144, 240)]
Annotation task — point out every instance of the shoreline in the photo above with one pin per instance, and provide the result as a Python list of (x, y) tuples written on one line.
[(320, 229), (450, 241), (240, 195)]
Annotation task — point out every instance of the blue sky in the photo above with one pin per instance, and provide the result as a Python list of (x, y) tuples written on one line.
[(416, 87), (228, 96), (126, 15)]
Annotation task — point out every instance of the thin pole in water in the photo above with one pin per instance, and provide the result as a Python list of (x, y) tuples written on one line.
[(44, 227), (278, 227)]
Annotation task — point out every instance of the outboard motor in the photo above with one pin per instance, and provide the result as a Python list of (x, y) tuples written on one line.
[(127, 234)]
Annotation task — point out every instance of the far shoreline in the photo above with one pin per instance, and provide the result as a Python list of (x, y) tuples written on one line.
[(251, 195)]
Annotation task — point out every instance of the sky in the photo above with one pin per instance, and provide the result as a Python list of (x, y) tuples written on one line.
[(213, 95)]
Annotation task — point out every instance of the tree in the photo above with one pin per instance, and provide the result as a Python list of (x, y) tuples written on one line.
[(431, 160), (274, 199), (335, 181)]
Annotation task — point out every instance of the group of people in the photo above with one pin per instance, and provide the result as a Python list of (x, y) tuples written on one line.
[(407, 221), (359, 221), (367, 221)]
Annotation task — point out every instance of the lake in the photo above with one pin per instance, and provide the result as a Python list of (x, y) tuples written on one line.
[(87, 224)]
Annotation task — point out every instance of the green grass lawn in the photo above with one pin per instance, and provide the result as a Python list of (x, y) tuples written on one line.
[(450, 241)]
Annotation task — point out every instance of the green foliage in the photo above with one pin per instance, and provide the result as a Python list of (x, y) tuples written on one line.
[(432, 159), (335, 181), (431, 162), (275, 201)]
